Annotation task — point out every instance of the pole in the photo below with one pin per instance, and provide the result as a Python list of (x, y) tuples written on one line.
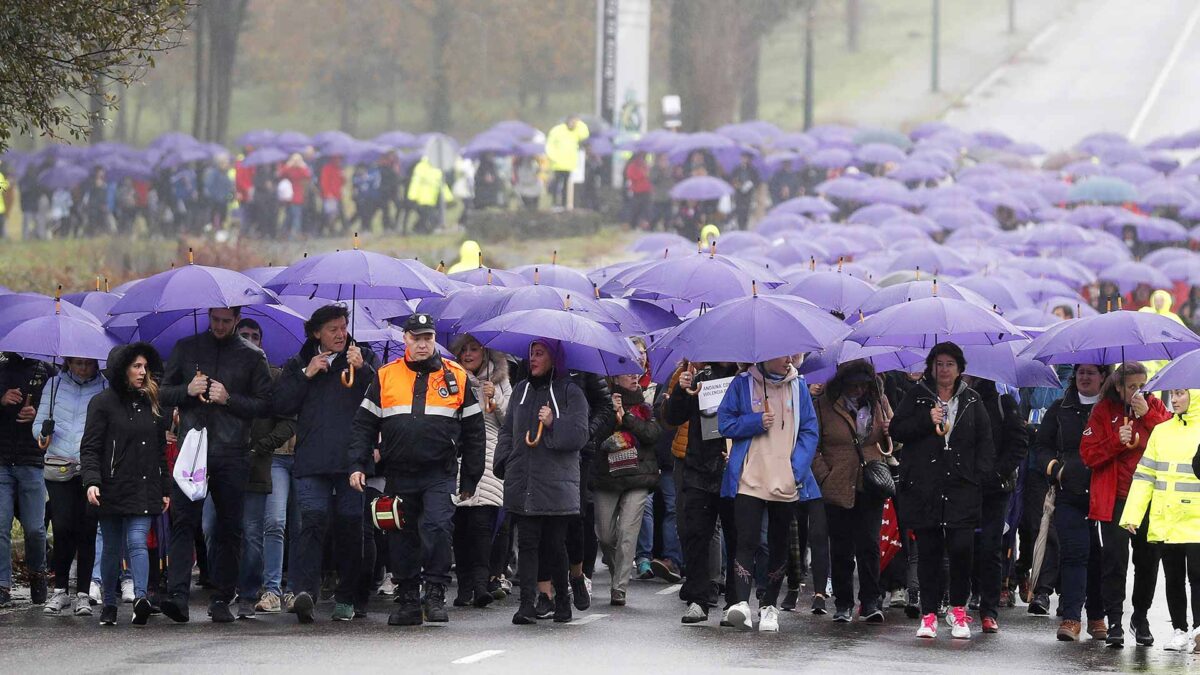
[(1012, 16), (937, 29), (808, 63)]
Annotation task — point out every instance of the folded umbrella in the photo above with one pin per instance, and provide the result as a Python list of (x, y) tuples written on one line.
[(588, 346)]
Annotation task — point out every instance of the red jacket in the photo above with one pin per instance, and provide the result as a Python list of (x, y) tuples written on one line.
[(243, 181), (639, 177), (332, 180), (1113, 464), (300, 177)]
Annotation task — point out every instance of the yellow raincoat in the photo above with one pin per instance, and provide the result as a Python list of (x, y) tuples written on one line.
[(1160, 303), (468, 257), (1165, 483), (562, 145), (427, 182)]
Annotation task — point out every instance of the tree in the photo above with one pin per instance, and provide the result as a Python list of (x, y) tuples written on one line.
[(217, 26), (58, 58)]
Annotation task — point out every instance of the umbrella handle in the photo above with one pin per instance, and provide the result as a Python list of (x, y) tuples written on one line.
[(489, 406), (891, 449), (533, 442), (696, 389), (203, 396), (348, 378), (1137, 438), (44, 442), (940, 429)]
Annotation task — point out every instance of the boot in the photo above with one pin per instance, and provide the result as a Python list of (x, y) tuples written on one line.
[(435, 604), (527, 613), (483, 597), (562, 607), (409, 611), (37, 589)]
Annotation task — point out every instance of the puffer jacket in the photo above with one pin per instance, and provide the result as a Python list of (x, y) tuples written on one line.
[(634, 439), (70, 412), (1057, 447), (1164, 482), (18, 447), (490, 491), (837, 466)]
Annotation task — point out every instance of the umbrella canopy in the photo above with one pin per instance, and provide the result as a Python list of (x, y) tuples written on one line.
[(96, 302), (18, 307), (559, 276), (56, 336), (587, 345), (508, 300), (701, 188), (805, 206), (831, 291), (1000, 292), (1129, 275), (1113, 338), (1182, 373), (926, 322), (1102, 190), (907, 291), (264, 156), (934, 259), (1002, 363), (657, 242), (282, 329), (193, 287), (638, 317), (703, 277), (484, 276), (357, 274), (820, 367)]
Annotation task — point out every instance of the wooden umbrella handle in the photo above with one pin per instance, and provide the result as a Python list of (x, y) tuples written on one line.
[(348, 378), (489, 405), (1135, 441), (940, 429), (43, 442), (694, 390), (532, 442), (203, 395)]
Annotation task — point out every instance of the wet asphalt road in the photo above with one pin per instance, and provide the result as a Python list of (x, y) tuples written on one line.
[(645, 636)]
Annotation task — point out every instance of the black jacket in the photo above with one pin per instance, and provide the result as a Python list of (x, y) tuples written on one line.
[(236, 364), (542, 480), (942, 486), (704, 464), (1010, 438), (124, 446), (645, 434), (324, 409), (17, 444), (1058, 439), (267, 434)]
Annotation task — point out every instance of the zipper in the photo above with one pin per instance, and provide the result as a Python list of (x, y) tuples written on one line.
[(112, 462)]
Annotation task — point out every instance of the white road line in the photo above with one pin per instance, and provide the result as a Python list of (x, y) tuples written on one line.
[(1161, 80), (590, 618), (478, 656), (669, 590)]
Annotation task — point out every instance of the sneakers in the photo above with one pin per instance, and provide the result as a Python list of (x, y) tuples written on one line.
[(1116, 636), (912, 608), (525, 615), (464, 598), (303, 606), (581, 592), (496, 590), (562, 608), (127, 591), (990, 625), (387, 587), (694, 614), (343, 612), (245, 608), (843, 615), (544, 608), (57, 603), (268, 604), (108, 615), (1068, 631), (973, 603), (141, 612), (644, 571), (1180, 641), (768, 620), (435, 604), (219, 612), (870, 614), (790, 600), (95, 593), (616, 598), (176, 609), (666, 570), (739, 615), (83, 605), (899, 599), (289, 603), (1040, 605), (505, 585), (818, 605), (928, 627), (1141, 631), (483, 597), (1097, 629), (1008, 598), (960, 623)]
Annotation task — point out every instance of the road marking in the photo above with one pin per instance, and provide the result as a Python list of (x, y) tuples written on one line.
[(1161, 80), (670, 589), (590, 618), (478, 656), (1000, 70)]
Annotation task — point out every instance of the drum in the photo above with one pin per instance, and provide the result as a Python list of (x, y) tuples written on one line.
[(387, 513)]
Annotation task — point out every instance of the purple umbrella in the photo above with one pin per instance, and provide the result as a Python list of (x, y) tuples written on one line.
[(264, 156), (483, 276), (1098, 256), (558, 276), (282, 329), (1059, 235), (804, 206), (523, 298), (1129, 275), (794, 251), (380, 309), (1000, 292), (18, 307), (797, 141), (1067, 271), (657, 242), (63, 176), (1148, 230), (830, 158), (820, 367), (955, 218), (173, 139), (638, 317), (905, 292), (1186, 270), (926, 322), (1032, 316), (701, 188), (448, 311), (917, 170), (879, 153), (1182, 373), (831, 291), (874, 214), (263, 275), (193, 287), (1113, 338), (256, 138), (1166, 195), (355, 274), (519, 130), (587, 345), (1040, 289), (755, 329), (291, 141), (926, 225), (935, 259), (56, 336), (779, 223), (96, 302), (845, 188), (1163, 256), (1002, 363), (737, 240), (397, 139), (708, 278)]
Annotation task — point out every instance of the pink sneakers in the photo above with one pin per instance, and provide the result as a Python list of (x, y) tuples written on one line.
[(928, 627)]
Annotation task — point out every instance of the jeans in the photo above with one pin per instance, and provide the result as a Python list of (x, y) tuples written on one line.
[(421, 549), (1181, 568), (618, 520), (748, 513), (26, 486), (275, 523), (1079, 561), (1115, 542), (934, 545), (473, 529), (322, 499), (815, 531), (227, 478), (671, 549), (989, 553), (854, 538), (295, 219), (74, 532), (100, 554), (132, 530), (250, 576)]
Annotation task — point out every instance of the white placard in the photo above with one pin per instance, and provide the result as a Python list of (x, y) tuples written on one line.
[(712, 391)]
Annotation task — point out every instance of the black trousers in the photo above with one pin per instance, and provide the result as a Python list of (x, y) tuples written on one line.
[(854, 542), (473, 528), (934, 545), (558, 187), (540, 542), (502, 545), (1115, 542), (1181, 568), (227, 477), (698, 513), (988, 575), (812, 521), (748, 514), (74, 533)]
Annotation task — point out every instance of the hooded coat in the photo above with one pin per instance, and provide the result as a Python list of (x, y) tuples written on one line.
[(637, 431), (124, 446), (543, 480), (837, 465), (1164, 482), (1112, 463), (490, 491)]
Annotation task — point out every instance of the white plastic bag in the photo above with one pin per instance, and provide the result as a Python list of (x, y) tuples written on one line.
[(284, 191), (191, 468)]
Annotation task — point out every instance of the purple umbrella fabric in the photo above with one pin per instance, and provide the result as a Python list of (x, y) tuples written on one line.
[(56, 336), (874, 214), (820, 367), (587, 346), (510, 300), (1186, 270), (639, 317), (933, 259), (657, 242), (1113, 338), (558, 276), (1129, 275), (831, 291), (18, 307), (830, 158), (282, 329), (193, 287), (879, 153), (449, 310), (1182, 373), (701, 188), (1002, 363), (96, 302), (805, 206), (357, 274), (1000, 292), (263, 275), (929, 321), (484, 276), (901, 293), (264, 156), (703, 277)]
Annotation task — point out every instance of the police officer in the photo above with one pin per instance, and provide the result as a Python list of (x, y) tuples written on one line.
[(429, 418)]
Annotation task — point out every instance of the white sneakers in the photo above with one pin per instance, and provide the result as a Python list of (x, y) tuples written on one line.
[(928, 627), (768, 620), (127, 591), (1180, 640), (95, 594), (739, 616), (960, 623), (387, 587), (59, 601), (83, 605), (694, 614)]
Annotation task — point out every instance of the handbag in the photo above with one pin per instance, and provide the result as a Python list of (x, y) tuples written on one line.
[(191, 467), (877, 477), (59, 469)]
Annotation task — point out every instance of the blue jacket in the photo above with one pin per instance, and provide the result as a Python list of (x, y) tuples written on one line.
[(70, 412), (739, 422)]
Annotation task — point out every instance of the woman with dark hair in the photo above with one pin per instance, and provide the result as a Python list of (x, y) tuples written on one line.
[(1112, 446), (124, 463), (853, 418), (947, 452), (1056, 454)]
